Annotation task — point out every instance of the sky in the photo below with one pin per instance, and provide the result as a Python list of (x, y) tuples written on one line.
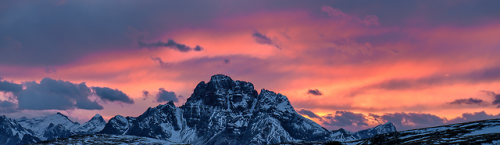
[(342, 64)]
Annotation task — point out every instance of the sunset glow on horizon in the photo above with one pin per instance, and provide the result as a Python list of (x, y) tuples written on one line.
[(340, 63)]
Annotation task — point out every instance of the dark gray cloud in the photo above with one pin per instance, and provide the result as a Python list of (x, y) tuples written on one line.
[(49, 70), (496, 97), (112, 95), (263, 39), (467, 117), (6, 104), (8, 107), (315, 92), (477, 76), (345, 118), (6, 86), (497, 100), (56, 94), (145, 94), (170, 44), (165, 96), (405, 121), (157, 59), (467, 101), (227, 61), (308, 113)]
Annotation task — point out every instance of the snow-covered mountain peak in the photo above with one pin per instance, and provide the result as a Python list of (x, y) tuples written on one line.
[(94, 125), (220, 77), (387, 127), (223, 93), (39, 124), (97, 116), (269, 99)]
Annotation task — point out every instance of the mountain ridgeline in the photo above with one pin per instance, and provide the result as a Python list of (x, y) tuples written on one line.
[(224, 111), (28, 131), (221, 111)]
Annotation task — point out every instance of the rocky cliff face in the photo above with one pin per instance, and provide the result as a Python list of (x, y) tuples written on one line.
[(223, 111)]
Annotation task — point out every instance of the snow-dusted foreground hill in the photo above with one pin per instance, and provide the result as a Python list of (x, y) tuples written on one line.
[(101, 139), (477, 132)]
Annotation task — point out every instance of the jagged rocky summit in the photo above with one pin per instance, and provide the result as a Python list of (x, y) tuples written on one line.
[(224, 111), (221, 111)]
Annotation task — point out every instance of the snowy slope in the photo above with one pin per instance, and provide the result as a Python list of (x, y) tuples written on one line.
[(380, 129), (49, 127), (477, 132), (95, 124), (12, 133), (106, 139), (59, 126)]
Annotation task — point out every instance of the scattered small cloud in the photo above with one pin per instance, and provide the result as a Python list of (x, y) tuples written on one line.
[(469, 101), (145, 94), (310, 114), (112, 95), (263, 39), (49, 70), (157, 59), (496, 97), (165, 96), (315, 92), (170, 44), (345, 118), (140, 37)]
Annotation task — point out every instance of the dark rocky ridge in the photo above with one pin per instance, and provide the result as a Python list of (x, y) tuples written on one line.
[(221, 111), (224, 111)]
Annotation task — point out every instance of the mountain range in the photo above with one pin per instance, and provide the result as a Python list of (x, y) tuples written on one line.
[(221, 111), (27, 131)]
